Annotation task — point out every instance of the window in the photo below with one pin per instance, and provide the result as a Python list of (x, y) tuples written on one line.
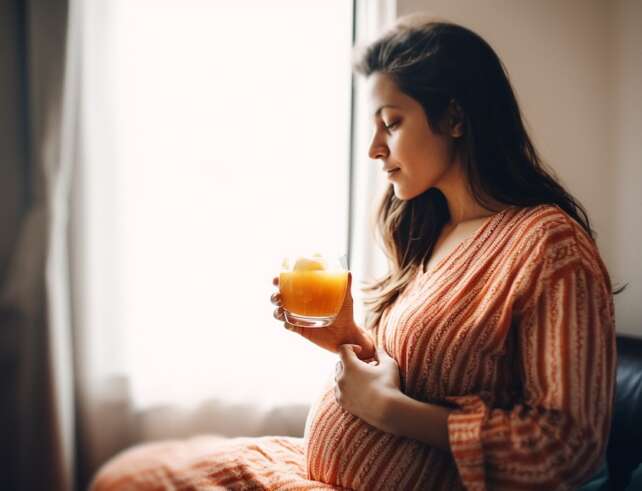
[(216, 140)]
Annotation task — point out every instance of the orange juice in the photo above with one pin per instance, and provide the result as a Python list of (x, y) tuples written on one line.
[(316, 293), (312, 290)]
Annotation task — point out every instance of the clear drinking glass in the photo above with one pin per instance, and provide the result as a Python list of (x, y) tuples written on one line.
[(312, 289)]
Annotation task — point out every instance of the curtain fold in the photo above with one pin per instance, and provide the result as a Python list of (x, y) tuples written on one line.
[(34, 296)]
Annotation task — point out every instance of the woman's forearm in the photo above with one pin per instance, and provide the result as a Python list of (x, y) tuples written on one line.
[(422, 421), (401, 415)]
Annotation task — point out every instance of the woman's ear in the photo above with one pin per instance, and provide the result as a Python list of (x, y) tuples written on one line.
[(455, 119)]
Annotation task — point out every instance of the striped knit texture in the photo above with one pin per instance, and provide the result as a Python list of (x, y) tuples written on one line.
[(514, 328)]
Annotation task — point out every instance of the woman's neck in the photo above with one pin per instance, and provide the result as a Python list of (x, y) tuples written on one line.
[(462, 205)]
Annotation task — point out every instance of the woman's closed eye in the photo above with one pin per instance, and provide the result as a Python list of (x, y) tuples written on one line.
[(391, 126)]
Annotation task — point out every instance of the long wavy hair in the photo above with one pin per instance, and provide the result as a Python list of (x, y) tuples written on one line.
[(443, 65)]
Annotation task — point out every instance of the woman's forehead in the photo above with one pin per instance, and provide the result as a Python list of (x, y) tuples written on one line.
[(381, 85), (383, 92)]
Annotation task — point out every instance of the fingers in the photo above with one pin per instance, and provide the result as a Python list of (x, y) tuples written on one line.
[(338, 370), (382, 354), (348, 354), (275, 298), (349, 287), (383, 357), (278, 314)]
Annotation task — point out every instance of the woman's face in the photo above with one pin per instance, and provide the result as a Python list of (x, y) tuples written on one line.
[(413, 157)]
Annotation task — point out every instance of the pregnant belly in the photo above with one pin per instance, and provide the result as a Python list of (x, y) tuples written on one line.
[(343, 450)]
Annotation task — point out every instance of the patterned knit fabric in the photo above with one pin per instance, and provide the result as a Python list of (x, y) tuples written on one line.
[(209, 463), (514, 329)]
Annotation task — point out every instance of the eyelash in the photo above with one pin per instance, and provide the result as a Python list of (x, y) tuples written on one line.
[(391, 125)]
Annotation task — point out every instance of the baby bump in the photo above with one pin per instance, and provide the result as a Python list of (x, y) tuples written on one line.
[(343, 450)]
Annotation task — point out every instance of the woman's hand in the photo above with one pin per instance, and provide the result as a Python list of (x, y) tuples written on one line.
[(342, 331), (363, 389)]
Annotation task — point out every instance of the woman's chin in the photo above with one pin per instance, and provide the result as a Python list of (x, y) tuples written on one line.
[(404, 194)]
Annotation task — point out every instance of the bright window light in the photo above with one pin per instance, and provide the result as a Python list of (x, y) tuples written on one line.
[(228, 130)]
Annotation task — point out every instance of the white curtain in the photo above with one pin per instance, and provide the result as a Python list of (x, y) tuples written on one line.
[(215, 139)]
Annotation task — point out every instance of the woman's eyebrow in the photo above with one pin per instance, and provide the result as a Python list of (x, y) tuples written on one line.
[(378, 111)]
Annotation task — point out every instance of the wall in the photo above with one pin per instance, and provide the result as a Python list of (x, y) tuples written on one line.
[(574, 68), (626, 160)]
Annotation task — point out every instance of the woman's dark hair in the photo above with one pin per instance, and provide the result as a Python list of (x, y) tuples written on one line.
[(444, 66)]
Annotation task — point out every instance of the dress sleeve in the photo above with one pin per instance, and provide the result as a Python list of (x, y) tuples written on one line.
[(555, 435)]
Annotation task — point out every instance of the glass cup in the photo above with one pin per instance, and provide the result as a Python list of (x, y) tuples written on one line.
[(312, 289)]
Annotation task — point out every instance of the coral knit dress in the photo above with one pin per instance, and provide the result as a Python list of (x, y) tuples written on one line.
[(514, 329)]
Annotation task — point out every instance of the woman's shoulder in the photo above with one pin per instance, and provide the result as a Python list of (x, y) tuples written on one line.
[(548, 235), (542, 221), (549, 246)]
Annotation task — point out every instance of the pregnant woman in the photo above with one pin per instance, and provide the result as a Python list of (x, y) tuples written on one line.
[(488, 356)]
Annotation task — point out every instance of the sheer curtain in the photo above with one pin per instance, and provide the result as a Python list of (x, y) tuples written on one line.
[(215, 141), (215, 138)]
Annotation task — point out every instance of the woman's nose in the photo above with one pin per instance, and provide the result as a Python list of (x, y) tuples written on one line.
[(378, 149)]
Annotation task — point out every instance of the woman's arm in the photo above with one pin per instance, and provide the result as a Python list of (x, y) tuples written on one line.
[(555, 436), (405, 416)]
